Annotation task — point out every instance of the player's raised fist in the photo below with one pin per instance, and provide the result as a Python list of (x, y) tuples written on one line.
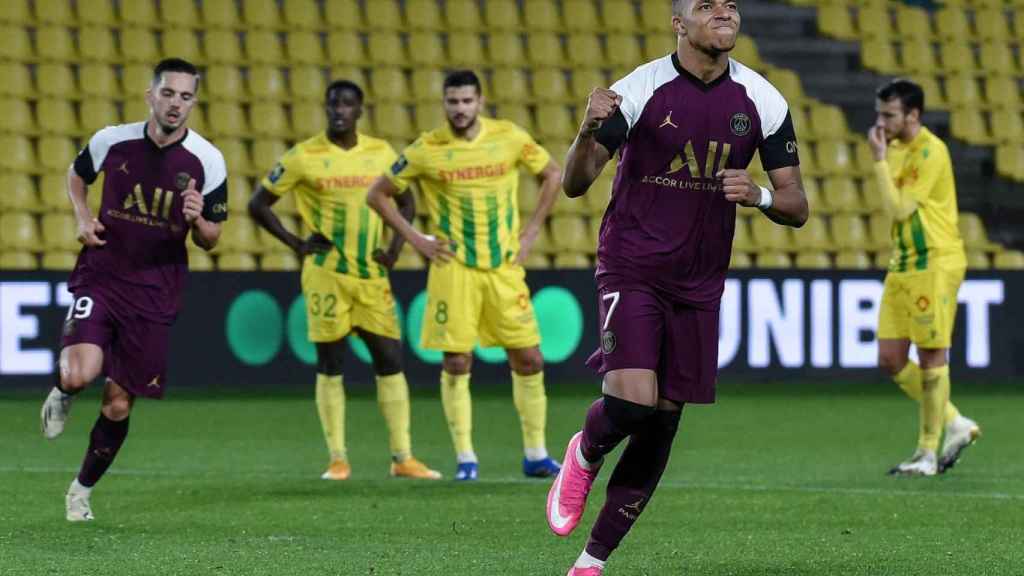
[(601, 105), (193, 202), (89, 233), (739, 188)]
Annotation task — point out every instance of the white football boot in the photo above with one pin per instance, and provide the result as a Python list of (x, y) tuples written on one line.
[(922, 463), (55, 413), (960, 434), (76, 503)]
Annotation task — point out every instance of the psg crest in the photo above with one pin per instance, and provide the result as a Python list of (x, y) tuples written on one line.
[(181, 180), (740, 124), (607, 341)]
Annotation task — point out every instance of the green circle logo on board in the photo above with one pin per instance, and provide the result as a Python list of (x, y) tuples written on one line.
[(254, 327)]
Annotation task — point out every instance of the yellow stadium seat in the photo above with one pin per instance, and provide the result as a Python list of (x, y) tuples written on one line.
[(54, 44), (14, 43), (745, 52), (181, 43), (239, 235), (972, 230), (962, 91), (239, 192), (306, 83), (20, 232), (426, 49), (828, 119), (951, 24), (199, 260), (864, 158), (957, 57), (60, 232), (271, 120), (1003, 92), (774, 260), (227, 119), (509, 85), (880, 231), (569, 233), (57, 117), (343, 14), (427, 84), (853, 260), (235, 261), (1009, 260), (849, 232), (222, 46), (389, 85), (572, 261), (545, 49), (624, 51), (502, 15), (582, 16), (834, 157), (304, 47), (913, 22), (429, 115), (260, 14), (426, 15), (917, 56), (383, 15), (96, 44), (97, 113), (137, 45), (302, 15), (386, 48), (17, 80), (541, 16), (1010, 161), (18, 193), (933, 96), (59, 260), (179, 14), (265, 153), (224, 83), (550, 85), (618, 16), (220, 14), (236, 155), (307, 119), (656, 16), (264, 47), (197, 120), (997, 58), (840, 194), (970, 125), (138, 14), (835, 20), (392, 121), (267, 83), (279, 261), (95, 195), (554, 121), (1018, 24), (813, 260), (814, 197), (583, 81), (16, 12), (990, 24), (54, 12), (787, 82), (583, 50), (813, 235), (770, 236), (741, 239), (1007, 126), (871, 198), (99, 80), (536, 260), (504, 49), (53, 191), (877, 54), (467, 49), (345, 47), (56, 80), (977, 260), (543, 244), (740, 261), (801, 124), (874, 21), (518, 114), (10, 260)]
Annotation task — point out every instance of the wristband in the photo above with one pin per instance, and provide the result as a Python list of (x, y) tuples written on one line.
[(766, 198)]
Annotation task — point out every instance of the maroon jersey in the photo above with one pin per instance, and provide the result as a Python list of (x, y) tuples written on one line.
[(144, 260), (668, 224)]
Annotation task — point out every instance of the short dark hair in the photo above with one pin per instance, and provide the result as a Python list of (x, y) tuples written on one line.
[(910, 94), (344, 85), (458, 78), (174, 65)]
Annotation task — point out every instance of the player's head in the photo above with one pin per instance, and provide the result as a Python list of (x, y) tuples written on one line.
[(172, 93), (463, 99), (899, 104), (343, 103), (709, 26)]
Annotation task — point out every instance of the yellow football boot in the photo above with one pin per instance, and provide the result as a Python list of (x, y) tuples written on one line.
[(413, 468)]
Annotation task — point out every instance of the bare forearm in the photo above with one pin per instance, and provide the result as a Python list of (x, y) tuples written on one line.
[(77, 192), (379, 201), (789, 206), (205, 234), (548, 196), (265, 217), (583, 165), (406, 204)]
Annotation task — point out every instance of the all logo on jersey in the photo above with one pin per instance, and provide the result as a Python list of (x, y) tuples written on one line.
[(688, 160), (668, 121), (740, 124), (159, 207)]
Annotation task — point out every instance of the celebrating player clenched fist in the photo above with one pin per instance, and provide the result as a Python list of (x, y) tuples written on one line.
[(601, 104)]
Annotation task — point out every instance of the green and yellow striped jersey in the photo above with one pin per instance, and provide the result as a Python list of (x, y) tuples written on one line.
[(470, 187), (922, 170), (330, 185)]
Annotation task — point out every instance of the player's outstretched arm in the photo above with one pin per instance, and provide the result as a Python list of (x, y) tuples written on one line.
[(260, 211), (587, 156), (379, 199), (550, 177), (406, 203)]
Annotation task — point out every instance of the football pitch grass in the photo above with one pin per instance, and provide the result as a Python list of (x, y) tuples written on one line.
[(775, 479)]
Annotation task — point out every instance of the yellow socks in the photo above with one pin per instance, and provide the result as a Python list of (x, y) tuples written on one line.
[(935, 396), (458, 410), (393, 399), (330, 403), (532, 405), (909, 379)]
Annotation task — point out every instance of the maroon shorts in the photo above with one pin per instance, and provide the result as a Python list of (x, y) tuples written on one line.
[(134, 348), (640, 329)]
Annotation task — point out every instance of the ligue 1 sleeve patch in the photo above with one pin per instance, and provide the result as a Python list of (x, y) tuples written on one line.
[(276, 173), (399, 165)]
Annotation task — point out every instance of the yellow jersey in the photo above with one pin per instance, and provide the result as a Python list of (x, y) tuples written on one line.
[(330, 185), (470, 187), (922, 171)]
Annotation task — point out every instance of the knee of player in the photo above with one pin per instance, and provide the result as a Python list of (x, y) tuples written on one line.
[(117, 409), (891, 364), (530, 363), (388, 363), (457, 363), (624, 414), (73, 379)]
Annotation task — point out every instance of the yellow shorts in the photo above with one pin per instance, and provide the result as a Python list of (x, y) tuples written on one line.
[(920, 306), (337, 303), (466, 304)]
